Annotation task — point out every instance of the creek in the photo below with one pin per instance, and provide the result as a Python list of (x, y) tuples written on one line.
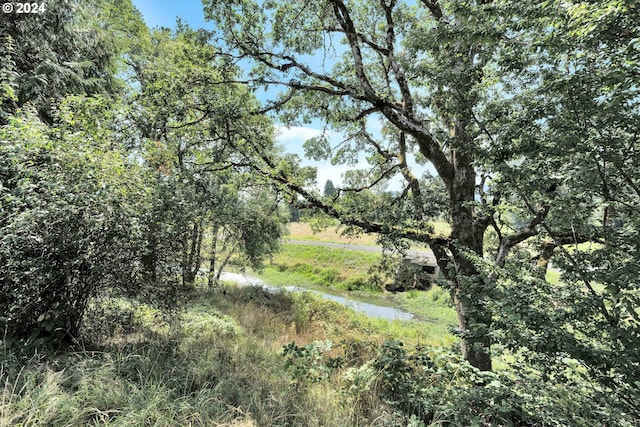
[(371, 306)]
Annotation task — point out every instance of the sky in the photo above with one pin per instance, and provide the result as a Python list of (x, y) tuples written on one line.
[(157, 13), (163, 13)]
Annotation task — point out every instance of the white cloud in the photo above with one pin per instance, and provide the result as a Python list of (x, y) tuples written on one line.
[(292, 139), (328, 171), (295, 133)]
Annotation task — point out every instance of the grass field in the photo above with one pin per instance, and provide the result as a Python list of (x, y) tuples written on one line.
[(303, 231), (216, 362), (349, 270), (335, 267)]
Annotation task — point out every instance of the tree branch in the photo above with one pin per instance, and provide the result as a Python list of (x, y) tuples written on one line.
[(508, 242), (344, 19), (407, 98), (434, 8)]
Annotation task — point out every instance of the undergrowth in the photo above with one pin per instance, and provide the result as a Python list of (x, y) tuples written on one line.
[(253, 358)]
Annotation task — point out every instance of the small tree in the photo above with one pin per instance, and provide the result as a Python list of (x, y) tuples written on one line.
[(329, 189), (203, 191), (294, 213)]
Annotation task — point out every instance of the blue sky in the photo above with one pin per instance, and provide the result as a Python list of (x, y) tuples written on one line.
[(163, 13)]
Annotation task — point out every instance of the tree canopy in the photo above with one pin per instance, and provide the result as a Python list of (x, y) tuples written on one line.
[(528, 115), (133, 160)]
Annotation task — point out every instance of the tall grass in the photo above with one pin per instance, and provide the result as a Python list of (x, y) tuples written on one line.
[(217, 362)]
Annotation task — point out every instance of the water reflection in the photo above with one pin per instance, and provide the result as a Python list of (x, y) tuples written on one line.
[(359, 304)]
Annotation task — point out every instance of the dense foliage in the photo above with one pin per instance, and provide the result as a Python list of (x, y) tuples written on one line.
[(135, 161), (528, 117), (61, 52), (70, 204), (118, 195)]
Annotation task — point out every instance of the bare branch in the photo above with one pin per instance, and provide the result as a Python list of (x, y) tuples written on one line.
[(363, 38), (409, 176), (275, 105), (384, 153), (344, 19), (382, 176), (191, 123), (508, 242)]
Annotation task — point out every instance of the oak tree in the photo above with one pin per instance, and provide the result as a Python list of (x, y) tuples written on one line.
[(488, 93)]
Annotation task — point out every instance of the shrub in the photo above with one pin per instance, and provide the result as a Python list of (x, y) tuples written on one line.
[(68, 228), (437, 387)]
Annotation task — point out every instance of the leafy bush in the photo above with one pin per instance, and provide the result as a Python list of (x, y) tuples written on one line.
[(68, 226), (436, 387), (307, 364)]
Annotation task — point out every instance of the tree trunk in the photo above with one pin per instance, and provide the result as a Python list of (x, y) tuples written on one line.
[(192, 254), (474, 319), (469, 289), (211, 277), (150, 255)]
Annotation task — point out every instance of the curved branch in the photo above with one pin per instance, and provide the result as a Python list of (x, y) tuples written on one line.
[(508, 242), (407, 98), (382, 176), (344, 19), (434, 8)]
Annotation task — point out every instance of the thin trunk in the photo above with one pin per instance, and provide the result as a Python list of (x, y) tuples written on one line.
[(212, 258), (150, 256), (191, 255), (214, 275), (197, 259), (216, 250), (222, 266), (224, 263)]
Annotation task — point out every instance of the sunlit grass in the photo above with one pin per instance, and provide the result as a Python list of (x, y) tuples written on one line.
[(300, 265), (348, 261), (586, 247), (553, 276), (433, 305), (441, 228), (339, 268), (333, 234), (411, 332), (303, 231)]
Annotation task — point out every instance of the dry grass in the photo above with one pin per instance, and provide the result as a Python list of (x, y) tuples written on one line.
[(302, 231), (219, 365)]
